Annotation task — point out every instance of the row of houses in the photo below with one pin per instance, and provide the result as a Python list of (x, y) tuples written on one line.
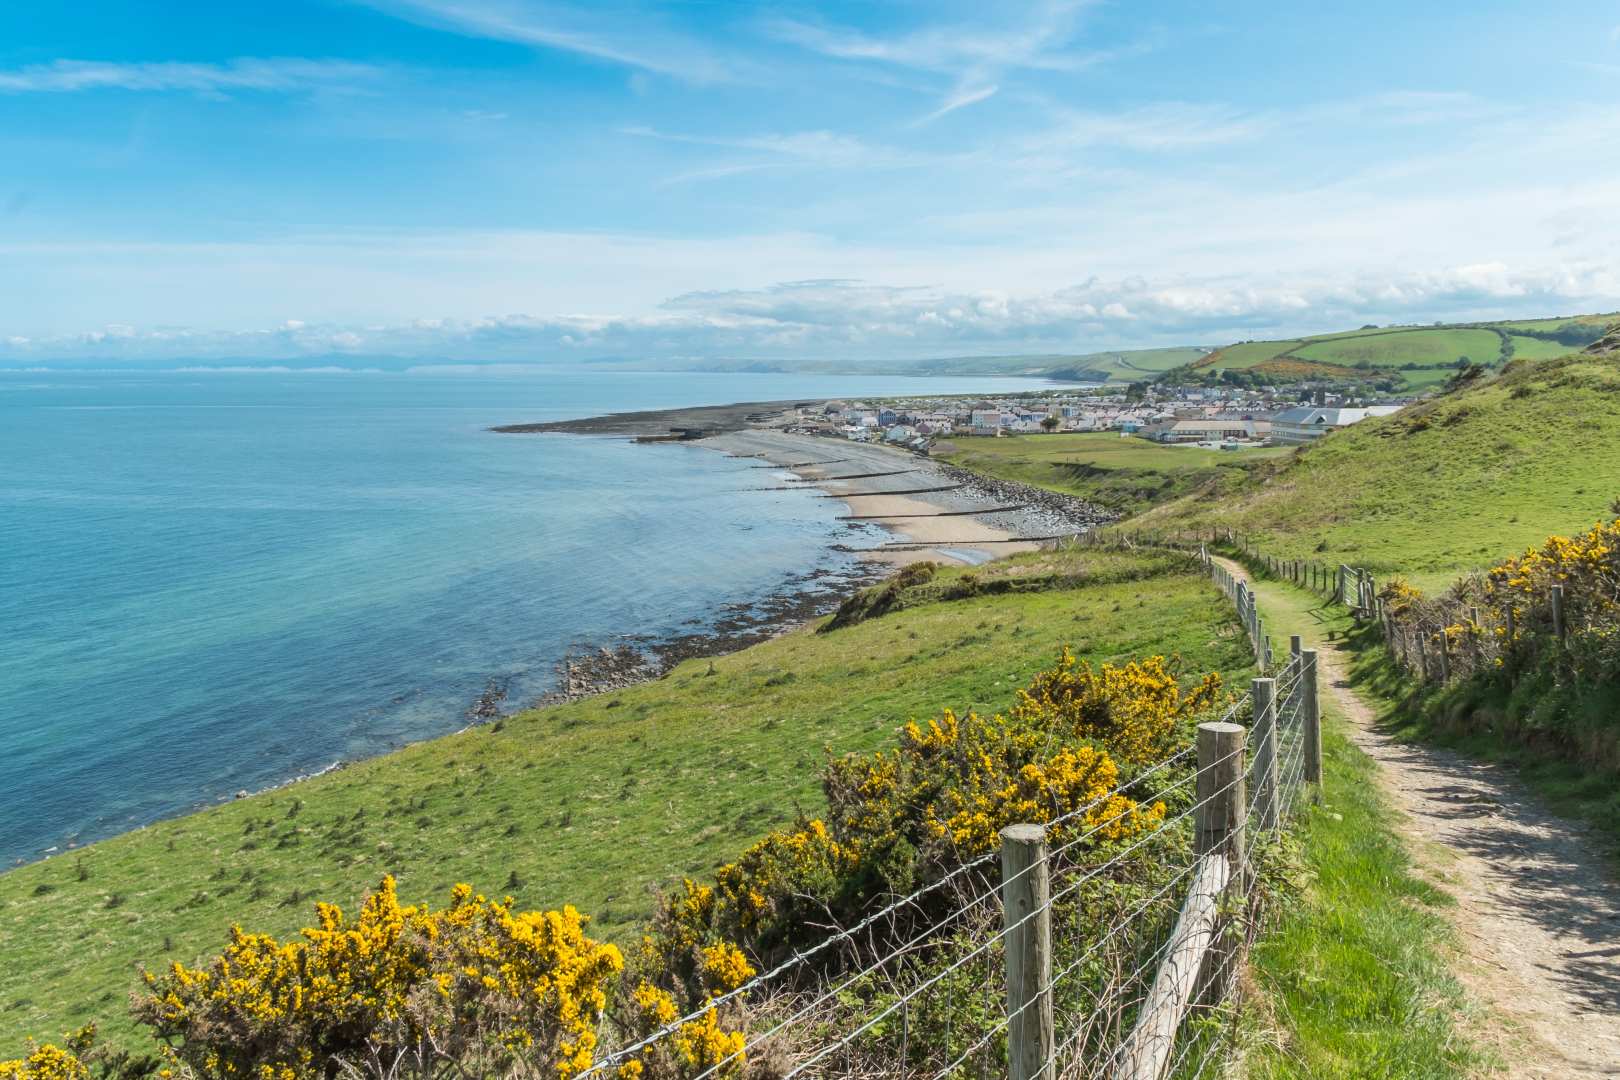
[(1220, 417)]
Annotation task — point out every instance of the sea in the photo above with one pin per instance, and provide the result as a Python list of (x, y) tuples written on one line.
[(213, 582)]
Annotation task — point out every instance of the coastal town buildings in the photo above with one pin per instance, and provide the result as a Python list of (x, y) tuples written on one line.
[(1292, 427), (1195, 416)]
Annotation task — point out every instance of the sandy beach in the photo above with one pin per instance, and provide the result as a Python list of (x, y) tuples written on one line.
[(935, 512)]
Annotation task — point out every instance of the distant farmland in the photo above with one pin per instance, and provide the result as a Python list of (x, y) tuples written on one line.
[(1413, 356)]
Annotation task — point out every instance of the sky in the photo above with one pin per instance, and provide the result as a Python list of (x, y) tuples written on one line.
[(526, 180)]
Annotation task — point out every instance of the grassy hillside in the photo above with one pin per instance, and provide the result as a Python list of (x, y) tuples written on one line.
[(1124, 474), (596, 803), (1443, 487), (1417, 356)]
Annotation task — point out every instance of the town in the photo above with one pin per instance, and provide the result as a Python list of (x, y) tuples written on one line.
[(1220, 417)]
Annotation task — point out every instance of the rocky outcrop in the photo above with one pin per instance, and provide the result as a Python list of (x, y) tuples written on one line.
[(1609, 342)]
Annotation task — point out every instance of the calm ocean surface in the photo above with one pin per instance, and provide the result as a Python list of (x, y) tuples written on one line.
[(216, 582)]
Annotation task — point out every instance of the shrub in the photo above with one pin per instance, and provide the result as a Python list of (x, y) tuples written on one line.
[(901, 818), (1588, 568), (473, 988), (47, 1061)]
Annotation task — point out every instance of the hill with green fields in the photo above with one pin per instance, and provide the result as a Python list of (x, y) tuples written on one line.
[(1401, 358), (598, 803), (1449, 485)]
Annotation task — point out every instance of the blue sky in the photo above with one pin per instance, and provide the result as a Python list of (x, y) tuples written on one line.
[(521, 179)]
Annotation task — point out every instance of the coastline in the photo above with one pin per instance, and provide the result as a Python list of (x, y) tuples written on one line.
[(933, 510), (660, 423), (930, 510), (968, 523)]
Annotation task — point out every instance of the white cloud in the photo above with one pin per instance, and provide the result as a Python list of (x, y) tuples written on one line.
[(960, 99), (275, 74), (627, 37), (1165, 126), (814, 149), (857, 321), (972, 56)]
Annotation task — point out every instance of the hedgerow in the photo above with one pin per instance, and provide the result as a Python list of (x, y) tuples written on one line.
[(1497, 629)]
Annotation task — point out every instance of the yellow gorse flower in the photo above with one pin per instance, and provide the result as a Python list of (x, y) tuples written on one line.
[(498, 984), (47, 1061)]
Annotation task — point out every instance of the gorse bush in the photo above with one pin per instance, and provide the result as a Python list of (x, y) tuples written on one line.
[(47, 1061), (474, 988), (899, 818), (478, 988), (1588, 568), (1498, 628)]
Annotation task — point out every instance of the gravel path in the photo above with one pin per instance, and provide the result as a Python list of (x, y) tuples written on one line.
[(1538, 913)]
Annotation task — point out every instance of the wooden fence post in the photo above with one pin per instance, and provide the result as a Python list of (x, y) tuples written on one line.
[(1445, 656), (1221, 801), (1294, 646), (1266, 799), (1422, 655), (1559, 629), (1311, 708), (1026, 893)]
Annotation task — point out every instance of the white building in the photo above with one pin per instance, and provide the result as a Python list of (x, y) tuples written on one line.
[(1292, 427)]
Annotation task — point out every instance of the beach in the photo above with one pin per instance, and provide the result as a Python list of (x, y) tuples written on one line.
[(936, 512), (928, 511)]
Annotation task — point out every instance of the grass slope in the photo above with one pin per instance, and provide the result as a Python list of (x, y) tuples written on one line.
[(1124, 474), (595, 803), (1440, 488)]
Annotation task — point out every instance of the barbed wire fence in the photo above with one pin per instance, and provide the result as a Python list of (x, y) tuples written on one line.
[(1091, 945)]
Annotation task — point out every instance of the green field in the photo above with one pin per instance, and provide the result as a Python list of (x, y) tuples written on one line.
[(596, 803), (1126, 474), (1529, 348), (1419, 356), (1392, 349), (1442, 487)]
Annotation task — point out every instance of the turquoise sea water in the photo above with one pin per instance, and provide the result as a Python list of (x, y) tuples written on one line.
[(217, 582)]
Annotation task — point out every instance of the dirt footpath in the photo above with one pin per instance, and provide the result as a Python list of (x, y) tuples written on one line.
[(1538, 913)]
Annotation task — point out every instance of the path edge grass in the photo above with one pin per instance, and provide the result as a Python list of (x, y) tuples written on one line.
[(1355, 977)]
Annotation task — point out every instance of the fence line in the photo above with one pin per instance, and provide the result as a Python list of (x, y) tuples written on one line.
[(1077, 960), (1433, 639)]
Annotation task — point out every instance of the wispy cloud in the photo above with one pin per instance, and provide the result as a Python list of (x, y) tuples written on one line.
[(273, 75), (801, 149), (1161, 127), (635, 39), (961, 98), (973, 56)]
